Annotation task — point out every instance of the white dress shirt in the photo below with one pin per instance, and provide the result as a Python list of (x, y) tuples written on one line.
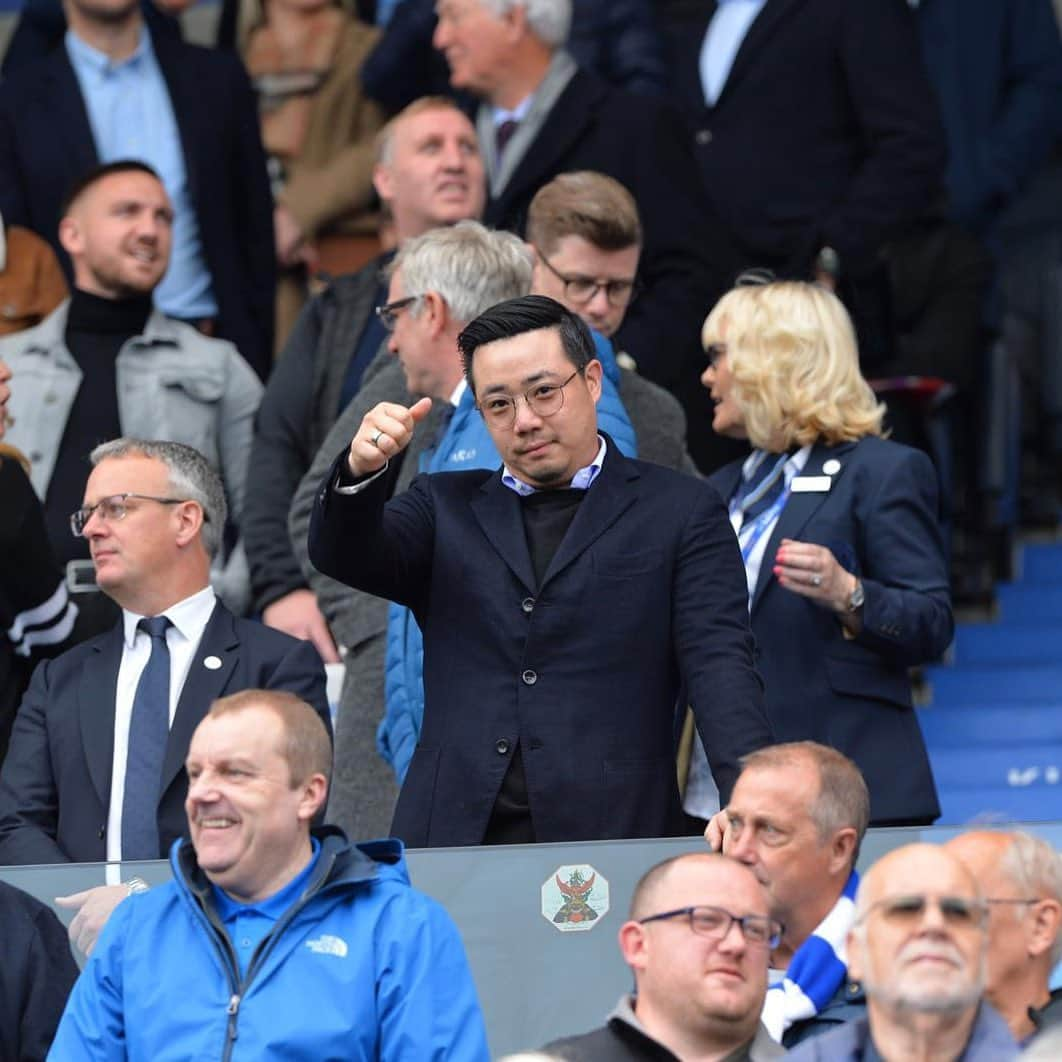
[(188, 619)]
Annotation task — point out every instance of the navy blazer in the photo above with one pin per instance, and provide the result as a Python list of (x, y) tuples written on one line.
[(826, 132), (645, 592), (880, 520), (46, 144), (55, 785)]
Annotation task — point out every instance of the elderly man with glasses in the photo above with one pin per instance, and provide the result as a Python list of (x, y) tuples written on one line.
[(1021, 876), (566, 598), (95, 768), (698, 941), (919, 946)]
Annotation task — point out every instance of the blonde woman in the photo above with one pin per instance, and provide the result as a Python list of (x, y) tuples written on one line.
[(839, 533)]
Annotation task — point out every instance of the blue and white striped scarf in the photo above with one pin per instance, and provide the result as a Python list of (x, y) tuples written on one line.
[(818, 968)]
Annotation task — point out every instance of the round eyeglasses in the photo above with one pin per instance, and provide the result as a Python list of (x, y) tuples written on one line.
[(544, 400)]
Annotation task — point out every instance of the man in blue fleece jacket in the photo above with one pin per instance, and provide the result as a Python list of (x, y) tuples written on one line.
[(273, 941)]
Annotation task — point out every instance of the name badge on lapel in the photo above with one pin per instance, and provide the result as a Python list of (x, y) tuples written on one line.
[(810, 484)]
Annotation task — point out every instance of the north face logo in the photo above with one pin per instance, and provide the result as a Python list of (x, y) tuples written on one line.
[(328, 945)]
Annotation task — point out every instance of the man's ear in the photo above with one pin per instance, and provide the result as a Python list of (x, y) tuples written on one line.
[(634, 944), (190, 519), (314, 794), (593, 374), (1046, 922), (841, 848), (383, 181), (437, 313), (70, 236)]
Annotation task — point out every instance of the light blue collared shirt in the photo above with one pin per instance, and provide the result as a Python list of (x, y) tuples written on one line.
[(580, 481), (517, 114), (726, 31), (131, 116)]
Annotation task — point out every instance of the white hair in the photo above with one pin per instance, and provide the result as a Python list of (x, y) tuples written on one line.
[(549, 20), (469, 265), (1034, 866)]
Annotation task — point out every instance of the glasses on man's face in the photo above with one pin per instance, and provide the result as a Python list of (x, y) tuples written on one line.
[(583, 289), (544, 400), (388, 313), (1005, 902), (715, 923), (959, 912), (112, 509)]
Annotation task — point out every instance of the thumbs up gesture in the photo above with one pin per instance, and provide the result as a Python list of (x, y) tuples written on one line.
[(384, 432)]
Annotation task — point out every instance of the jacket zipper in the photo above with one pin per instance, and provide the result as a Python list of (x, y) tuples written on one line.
[(239, 987)]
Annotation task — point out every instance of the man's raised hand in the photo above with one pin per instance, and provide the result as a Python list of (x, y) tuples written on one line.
[(384, 432)]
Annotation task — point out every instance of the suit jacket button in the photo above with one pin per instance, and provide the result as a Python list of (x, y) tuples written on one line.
[(528, 604), (101, 832), (501, 746), (703, 136), (529, 677)]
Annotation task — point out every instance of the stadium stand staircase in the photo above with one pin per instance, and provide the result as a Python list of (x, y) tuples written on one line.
[(994, 722)]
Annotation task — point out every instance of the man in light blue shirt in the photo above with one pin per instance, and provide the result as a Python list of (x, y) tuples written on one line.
[(115, 91)]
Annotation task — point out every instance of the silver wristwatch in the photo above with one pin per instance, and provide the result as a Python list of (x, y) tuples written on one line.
[(857, 597)]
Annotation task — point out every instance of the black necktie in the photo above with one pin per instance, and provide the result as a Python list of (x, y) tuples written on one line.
[(504, 133), (149, 729)]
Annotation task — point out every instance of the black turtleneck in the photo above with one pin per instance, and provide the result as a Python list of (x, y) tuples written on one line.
[(96, 330)]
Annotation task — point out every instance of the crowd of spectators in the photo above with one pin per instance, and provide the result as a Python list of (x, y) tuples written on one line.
[(598, 387)]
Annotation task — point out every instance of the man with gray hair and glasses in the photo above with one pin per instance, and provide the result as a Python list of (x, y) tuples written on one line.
[(95, 768), (918, 945), (1021, 876)]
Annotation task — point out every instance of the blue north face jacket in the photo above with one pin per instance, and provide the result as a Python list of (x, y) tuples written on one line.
[(362, 966), (466, 445)]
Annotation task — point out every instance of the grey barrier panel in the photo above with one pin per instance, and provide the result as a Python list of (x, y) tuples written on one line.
[(536, 981)]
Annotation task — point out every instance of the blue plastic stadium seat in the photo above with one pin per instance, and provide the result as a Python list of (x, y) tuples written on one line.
[(959, 686), (967, 806), (1042, 563), (1006, 644), (1026, 766), (991, 726)]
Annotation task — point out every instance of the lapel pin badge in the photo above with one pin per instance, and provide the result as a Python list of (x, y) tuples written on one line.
[(831, 467), (212, 663)]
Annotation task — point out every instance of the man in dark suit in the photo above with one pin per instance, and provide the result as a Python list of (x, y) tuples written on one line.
[(95, 769), (116, 90), (816, 134), (563, 599), (541, 115)]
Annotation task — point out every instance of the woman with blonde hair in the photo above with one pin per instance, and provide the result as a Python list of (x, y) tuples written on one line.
[(840, 536)]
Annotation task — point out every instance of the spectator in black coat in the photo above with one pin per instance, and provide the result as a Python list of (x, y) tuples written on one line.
[(36, 975)]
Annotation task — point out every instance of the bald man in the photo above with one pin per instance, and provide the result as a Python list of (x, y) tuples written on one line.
[(918, 946), (1021, 877)]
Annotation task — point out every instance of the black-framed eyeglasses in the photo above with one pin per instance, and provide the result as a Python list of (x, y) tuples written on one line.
[(544, 400), (583, 289), (388, 312), (959, 912), (715, 922), (114, 508), (715, 351)]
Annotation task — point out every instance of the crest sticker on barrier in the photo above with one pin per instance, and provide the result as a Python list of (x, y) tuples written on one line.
[(575, 898)]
